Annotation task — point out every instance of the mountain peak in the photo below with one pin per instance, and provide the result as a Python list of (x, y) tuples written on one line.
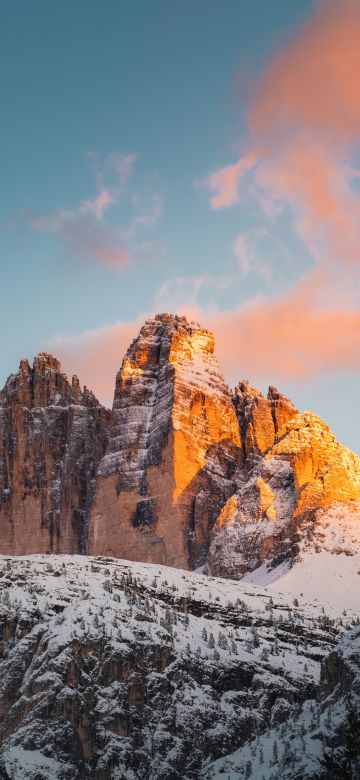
[(186, 474), (172, 451)]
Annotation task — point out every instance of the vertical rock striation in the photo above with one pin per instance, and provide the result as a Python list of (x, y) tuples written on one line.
[(301, 481), (52, 437), (262, 420), (173, 449), (179, 473)]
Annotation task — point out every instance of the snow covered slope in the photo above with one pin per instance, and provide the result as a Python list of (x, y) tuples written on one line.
[(328, 727), (327, 567), (112, 669)]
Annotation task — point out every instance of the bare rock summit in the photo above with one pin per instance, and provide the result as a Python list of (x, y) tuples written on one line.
[(173, 449), (52, 437)]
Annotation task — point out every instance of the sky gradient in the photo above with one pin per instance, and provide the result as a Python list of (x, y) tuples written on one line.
[(195, 157)]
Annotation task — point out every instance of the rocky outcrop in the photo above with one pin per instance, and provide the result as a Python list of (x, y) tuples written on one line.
[(287, 495), (173, 449), (52, 437), (320, 741), (262, 420), (113, 670), (181, 472)]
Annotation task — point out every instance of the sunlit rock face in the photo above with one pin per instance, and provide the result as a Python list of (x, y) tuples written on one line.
[(52, 437), (262, 420), (281, 510), (180, 473), (173, 449)]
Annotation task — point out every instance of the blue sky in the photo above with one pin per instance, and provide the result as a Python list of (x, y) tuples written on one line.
[(165, 86)]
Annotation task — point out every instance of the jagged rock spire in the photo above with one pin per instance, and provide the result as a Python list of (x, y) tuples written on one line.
[(52, 437), (173, 448), (262, 420)]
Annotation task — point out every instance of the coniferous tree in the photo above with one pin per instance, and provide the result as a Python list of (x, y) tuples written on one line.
[(343, 762)]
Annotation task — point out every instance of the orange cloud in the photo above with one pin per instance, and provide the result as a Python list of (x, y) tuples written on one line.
[(96, 355), (225, 182), (267, 341), (285, 339), (304, 122), (311, 84)]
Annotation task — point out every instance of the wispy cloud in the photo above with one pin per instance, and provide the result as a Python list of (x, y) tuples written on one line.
[(85, 229), (253, 261), (304, 123), (191, 294), (304, 126), (225, 182), (97, 205)]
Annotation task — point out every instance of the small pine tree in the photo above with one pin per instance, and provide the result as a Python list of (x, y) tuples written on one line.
[(222, 641), (248, 769), (255, 637), (275, 752), (343, 763)]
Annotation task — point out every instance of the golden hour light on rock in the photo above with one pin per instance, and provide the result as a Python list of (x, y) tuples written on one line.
[(179, 483)]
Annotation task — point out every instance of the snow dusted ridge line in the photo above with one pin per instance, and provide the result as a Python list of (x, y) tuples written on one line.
[(113, 669), (327, 727)]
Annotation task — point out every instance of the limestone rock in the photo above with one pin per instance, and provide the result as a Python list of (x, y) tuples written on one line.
[(262, 420), (180, 473), (52, 436), (173, 449), (284, 501)]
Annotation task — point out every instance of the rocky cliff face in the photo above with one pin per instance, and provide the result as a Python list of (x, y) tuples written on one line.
[(173, 450), (111, 669), (262, 420), (296, 474), (321, 741), (52, 437), (181, 472)]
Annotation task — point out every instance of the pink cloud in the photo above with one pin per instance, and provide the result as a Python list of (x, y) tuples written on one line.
[(88, 238), (267, 340), (225, 182), (85, 231), (98, 205), (304, 122), (96, 355), (286, 339)]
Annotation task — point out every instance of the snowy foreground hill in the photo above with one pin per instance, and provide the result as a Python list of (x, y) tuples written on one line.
[(129, 671)]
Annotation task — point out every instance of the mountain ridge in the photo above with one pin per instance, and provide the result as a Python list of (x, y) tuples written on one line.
[(116, 669), (182, 471)]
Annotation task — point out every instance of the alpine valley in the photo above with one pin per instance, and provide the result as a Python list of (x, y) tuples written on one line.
[(179, 576)]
